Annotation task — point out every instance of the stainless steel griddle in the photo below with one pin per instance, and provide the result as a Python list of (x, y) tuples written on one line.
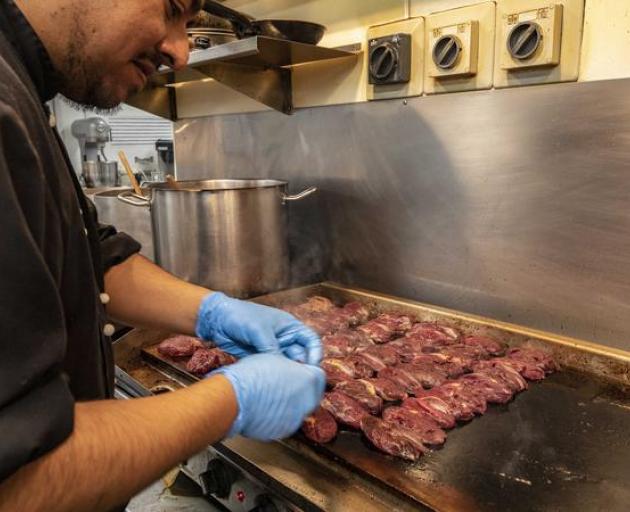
[(562, 445)]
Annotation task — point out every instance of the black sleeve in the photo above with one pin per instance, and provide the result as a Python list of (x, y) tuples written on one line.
[(36, 405), (115, 247)]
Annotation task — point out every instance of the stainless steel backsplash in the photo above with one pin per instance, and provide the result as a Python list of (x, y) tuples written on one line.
[(513, 204)]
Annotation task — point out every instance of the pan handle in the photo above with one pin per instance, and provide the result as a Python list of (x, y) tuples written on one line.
[(297, 197), (139, 201), (242, 23)]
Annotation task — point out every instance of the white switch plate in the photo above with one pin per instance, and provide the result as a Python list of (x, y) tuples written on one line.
[(548, 21), (467, 36), (474, 26), (558, 56), (415, 86)]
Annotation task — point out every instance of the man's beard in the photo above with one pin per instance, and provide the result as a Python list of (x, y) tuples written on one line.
[(80, 78)]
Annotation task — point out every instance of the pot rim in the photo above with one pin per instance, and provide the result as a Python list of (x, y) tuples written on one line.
[(218, 185)]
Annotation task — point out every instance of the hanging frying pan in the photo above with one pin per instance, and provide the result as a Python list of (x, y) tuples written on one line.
[(246, 26)]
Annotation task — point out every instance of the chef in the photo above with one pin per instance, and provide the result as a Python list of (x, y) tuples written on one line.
[(65, 444)]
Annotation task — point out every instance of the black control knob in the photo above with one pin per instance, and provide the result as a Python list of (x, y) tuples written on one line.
[(446, 51), (524, 39), (218, 479), (383, 61)]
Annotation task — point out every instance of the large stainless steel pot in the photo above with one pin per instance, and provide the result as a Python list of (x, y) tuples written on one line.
[(125, 218), (228, 235)]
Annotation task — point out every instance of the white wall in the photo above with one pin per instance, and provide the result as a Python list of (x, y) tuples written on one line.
[(606, 43)]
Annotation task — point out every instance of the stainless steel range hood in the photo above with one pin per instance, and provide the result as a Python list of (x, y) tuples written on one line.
[(258, 67)]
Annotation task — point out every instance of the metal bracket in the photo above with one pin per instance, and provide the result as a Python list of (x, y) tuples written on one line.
[(258, 67)]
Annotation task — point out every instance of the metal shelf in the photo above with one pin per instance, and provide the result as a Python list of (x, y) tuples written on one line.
[(258, 67)]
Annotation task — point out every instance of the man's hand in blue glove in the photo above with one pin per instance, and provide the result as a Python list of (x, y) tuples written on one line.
[(274, 395), (244, 328)]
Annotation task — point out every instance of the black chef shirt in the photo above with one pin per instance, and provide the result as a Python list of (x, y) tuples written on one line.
[(53, 255)]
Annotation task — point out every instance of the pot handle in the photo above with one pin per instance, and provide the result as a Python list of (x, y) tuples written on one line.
[(140, 201), (297, 197)]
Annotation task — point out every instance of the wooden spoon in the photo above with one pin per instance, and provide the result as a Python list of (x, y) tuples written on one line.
[(132, 178)]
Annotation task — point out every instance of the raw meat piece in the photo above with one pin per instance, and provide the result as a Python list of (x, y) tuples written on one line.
[(376, 332), (344, 409), (437, 408), (406, 348), (454, 333), (393, 439), (348, 368), (364, 393), (386, 327), (534, 357), (337, 370), (335, 319), (371, 360), (320, 426), (493, 390), (461, 392), (490, 345), (319, 304), (324, 323), (451, 367), (398, 324), (465, 356), (418, 421), (362, 370), (388, 390), (465, 351), (345, 342), (503, 371), (179, 346), (313, 305), (340, 344), (387, 354), (401, 377), (428, 376), (527, 370), (355, 313), (204, 360), (461, 408), (432, 334)]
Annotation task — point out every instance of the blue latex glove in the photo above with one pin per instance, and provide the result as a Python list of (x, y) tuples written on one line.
[(274, 395), (244, 328)]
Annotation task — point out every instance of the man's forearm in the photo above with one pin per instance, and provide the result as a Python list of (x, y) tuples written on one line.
[(119, 447), (144, 295)]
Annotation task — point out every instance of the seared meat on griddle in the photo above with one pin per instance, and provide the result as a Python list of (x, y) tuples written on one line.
[(435, 374)]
